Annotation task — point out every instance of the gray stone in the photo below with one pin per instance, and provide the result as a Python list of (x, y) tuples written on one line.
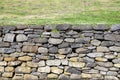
[(63, 27), (49, 27), (106, 64), (7, 50), (75, 77), (107, 43), (53, 62), (42, 50), (36, 26), (87, 59), (82, 40), (4, 44), (95, 42), (21, 37), (41, 63), (117, 60), (64, 62), (55, 34), (33, 35), (69, 40), (73, 70), (114, 48), (45, 34), (76, 45), (40, 40), (81, 50), (63, 45), (101, 27), (93, 55), (63, 77), (45, 69), (112, 37), (110, 56), (55, 41), (88, 34), (115, 27), (9, 37), (101, 68), (112, 73), (10, 28), (20, 26), (53, 49), (111, 78), (1, 39), (82, 27), (64, 50), (71, 32), (99, 36)]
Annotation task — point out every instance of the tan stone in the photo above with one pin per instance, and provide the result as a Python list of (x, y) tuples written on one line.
[(18, 76), (7, 74), (9, 58), (21, 69), (31, 49), (76, 64), (67, 73), (95, 42), (30, 77), (80, 50), (56, 70), (1, 69), (52, 76), (14, 63), (59, 56), (102, 49), (32, 64), (9, 69), (25, 58), (74, 59), (96, 75), (85, 75), (100, 59), (3, 63), (117, 65)]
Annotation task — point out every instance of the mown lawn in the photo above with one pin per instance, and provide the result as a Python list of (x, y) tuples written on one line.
[(14, 12)]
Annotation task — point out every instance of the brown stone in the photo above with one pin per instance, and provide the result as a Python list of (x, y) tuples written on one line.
[(9, 69), (31, 49), (9, 58), (25, 58), (30, 77)]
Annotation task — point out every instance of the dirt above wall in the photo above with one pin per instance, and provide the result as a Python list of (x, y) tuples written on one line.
[(61, 51)]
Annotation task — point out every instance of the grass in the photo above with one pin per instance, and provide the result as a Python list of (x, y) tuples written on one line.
[(14, 12)]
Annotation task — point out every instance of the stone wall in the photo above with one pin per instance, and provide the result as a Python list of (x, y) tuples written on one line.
[(64, 51)]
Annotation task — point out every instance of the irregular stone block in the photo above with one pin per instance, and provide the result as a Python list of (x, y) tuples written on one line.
[(21, 37), (31, 49), (45, 69), (22, 69), (53, 62), (9, 37)]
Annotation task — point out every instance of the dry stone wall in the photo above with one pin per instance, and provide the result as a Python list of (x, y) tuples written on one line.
[(64, 52)]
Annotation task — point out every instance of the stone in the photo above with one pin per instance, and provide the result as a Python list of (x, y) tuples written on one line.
[(93, 71), (7, 74), (30, 49), (43, 76), (17, 77), (41, 63), (76, 64), (82, 40), (112, 37), (55, 41), (95, 42), (21, 69), (53, 62), (4, 44), (111, 78), (40, 40), (112, 73), (75, 77), (45, 69), (3, 63), (114, 48), (100, 59), (21, 37), (56, 70), (93, 55), (9, 37), (9, 69), (102, 49), (42, 50), (81, 50), (14, 63), (9, 58), (64, 50), (73, 70), (30, 77), (63, 45), (2, 69), (115, 27), (63, 27), (20, 26), (117, 60), (110, 56), (32, 64), (82, 27), (64, 61), (106, 64), (63, 77), (75, 45), (31, 36), (107, 43), (74, 59), (52, 76), (85, 75), (59, 56), (99, 36), (55, 34), (101, 27), (49, 27), (25, 58), (53, 50), (7, 50), (101, 68), (69, 39), (117, 65)]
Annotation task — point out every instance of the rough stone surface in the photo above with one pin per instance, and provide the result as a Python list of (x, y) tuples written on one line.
[(77, 64), (9, 37), (64, 50), (21, 37), (112, 37), (95, 54), (42, 50), (45, 69), (31, 49), (53, 62), (23, 69), (55, 41)]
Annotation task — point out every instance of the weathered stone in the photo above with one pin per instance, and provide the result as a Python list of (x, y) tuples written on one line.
[(55, 41), (60, 56), (64, 62), (82, 40), (63, 45), (31, 49), (63, 77), (101, 27), (84, 75), (2, 69), (42, 50), (107, 43), (73, 70), (112, 37), (7, 50), (14, 63), (32, 64), (99, 36), (112, 73), (64, 50), (81, 50), (33, 36), (9, 58), (21, 37), (41, 63), (101, 68), (93, 55), (30, 77), (22, 69), (75, 77), (117, 65), (95, 42), (69, 40), (82, 27), (107, 64), (7, 74), (74, 59), (53, 62), (56, 70), (9, 69), (52, 76), (3, 63), (116, 60), (55, 34), (9, 37), (63, 27), (49, 27), (20, 26), (25, 58), (76, 64), (114, 48), (115, 27), (42, 57), (18, 77), (102, 49), (100, 59), (111, 78), (4, 44), (45, 69), (110, 56), (53, 50), (87, 59), (40, 40)]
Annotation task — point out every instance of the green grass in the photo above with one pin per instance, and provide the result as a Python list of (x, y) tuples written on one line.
[(14, 12)]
